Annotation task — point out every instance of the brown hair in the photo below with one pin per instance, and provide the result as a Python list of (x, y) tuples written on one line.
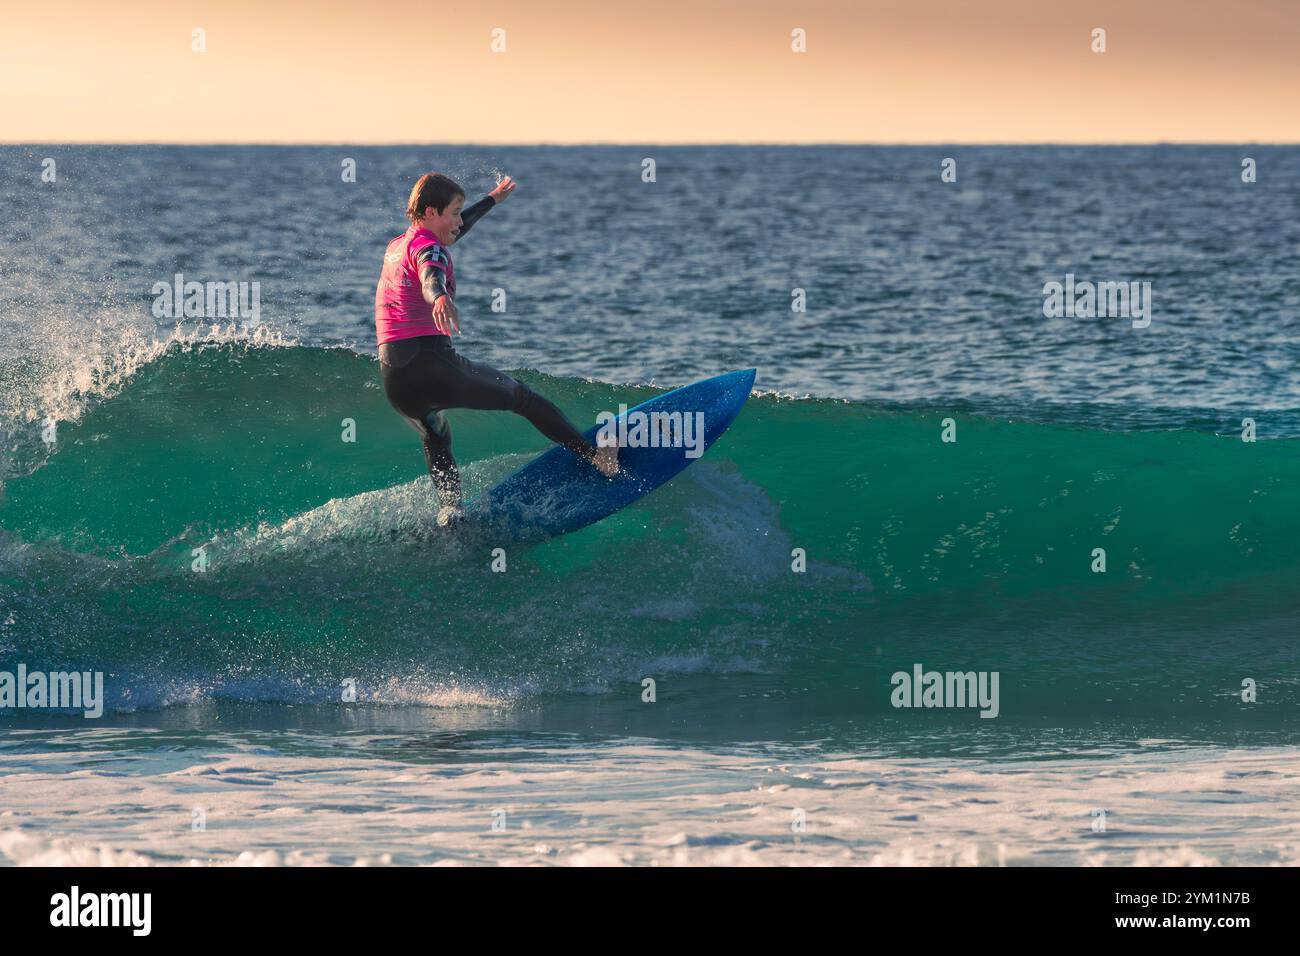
[(432, 189)]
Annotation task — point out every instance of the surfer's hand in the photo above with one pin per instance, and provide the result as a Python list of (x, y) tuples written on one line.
[(503, 189), (446, 318)]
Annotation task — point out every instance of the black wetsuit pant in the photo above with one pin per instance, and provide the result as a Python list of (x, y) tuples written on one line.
[(424, 375)]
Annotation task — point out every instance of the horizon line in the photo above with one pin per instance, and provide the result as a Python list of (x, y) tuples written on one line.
[(629, 143)]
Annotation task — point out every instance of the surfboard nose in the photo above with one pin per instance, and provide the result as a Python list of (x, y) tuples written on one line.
[(739, 384), (732, 391)]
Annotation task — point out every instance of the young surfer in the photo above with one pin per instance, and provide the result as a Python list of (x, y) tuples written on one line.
[(415, 317)]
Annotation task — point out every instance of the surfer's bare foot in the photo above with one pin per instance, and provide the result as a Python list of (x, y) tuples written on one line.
[(606, 460), (447, 514)]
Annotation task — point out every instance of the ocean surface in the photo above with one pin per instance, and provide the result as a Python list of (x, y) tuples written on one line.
[(340, 684)]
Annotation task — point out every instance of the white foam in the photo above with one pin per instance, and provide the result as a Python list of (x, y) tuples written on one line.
[(641, 803)]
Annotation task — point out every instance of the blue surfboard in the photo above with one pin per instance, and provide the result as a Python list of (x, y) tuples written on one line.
[(558, 492)]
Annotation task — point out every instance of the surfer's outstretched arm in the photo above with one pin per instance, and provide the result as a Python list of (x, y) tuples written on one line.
[(474, 213)]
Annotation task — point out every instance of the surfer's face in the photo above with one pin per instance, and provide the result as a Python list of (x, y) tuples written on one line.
[(446, 224)]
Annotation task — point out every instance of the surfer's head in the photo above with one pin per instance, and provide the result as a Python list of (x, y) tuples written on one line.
[(435, 204)]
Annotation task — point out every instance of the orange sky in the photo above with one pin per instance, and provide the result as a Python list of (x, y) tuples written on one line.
[(667, 71)]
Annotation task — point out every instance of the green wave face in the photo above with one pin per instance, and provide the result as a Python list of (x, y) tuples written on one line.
[(319, 565)]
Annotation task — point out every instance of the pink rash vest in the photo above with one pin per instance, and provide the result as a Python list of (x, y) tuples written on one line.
[(400, 309)]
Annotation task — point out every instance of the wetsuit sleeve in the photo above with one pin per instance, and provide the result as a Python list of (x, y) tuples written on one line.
[(432, 263), (473, 214)]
